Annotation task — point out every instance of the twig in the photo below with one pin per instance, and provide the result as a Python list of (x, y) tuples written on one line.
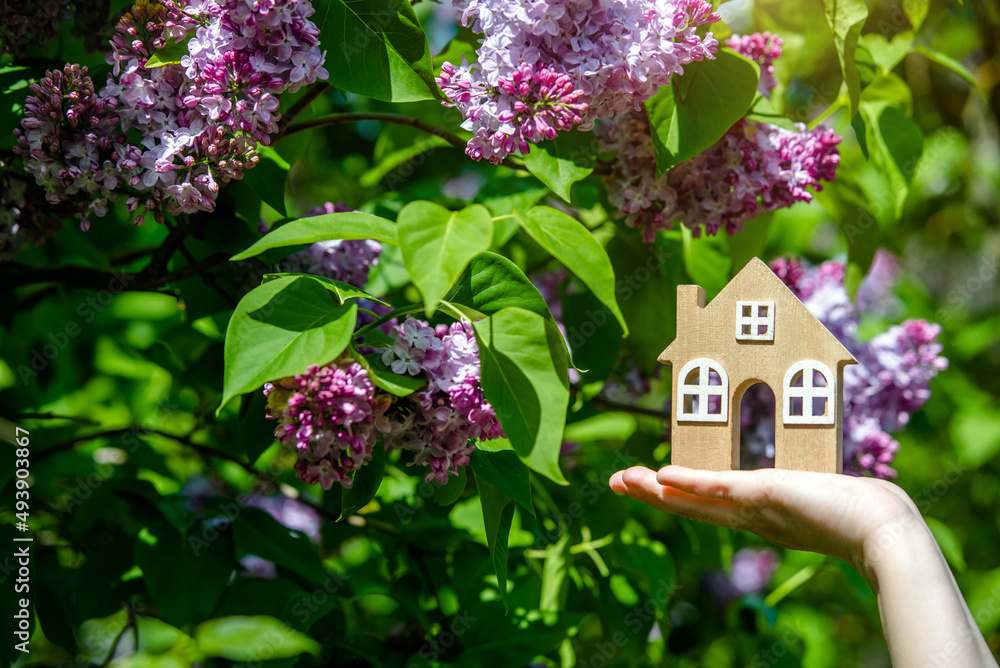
[(310, 96), (354, 117), (638, 410), (53, 416)]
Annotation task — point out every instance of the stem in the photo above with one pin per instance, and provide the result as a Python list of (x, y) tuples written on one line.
[(638, 410), (790, 585), (53, 416), (315, 92), (353, 117)]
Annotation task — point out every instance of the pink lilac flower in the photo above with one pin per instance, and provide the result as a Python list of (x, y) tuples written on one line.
[(890, 382), (197, 122), (753, 169), (546, 66), (761, 48), (68, 135), (327, 414), (441, 421)]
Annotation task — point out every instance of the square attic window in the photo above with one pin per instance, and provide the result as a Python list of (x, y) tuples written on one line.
[(754, 321)]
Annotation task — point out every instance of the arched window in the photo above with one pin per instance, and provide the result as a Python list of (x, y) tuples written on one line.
[(702, 392), (808, 394)]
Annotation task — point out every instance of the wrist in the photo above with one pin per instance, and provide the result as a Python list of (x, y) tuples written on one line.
[(891, 544)]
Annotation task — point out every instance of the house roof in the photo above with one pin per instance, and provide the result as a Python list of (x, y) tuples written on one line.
[(754, 282)]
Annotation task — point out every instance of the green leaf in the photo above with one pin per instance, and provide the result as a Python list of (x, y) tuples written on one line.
[(602, 427), (169, 54), (203, 558), (953, 65), (305, 231), (437, 244), (342, 291), (707, 261), (496, 462), (982, 601), (255, 429), (593, 335), (376, 49), (268, 178), (401, 385), (561, 162), (846, 18), (258, 533), (695, 111), (888, 54), (895, 142), (946, 539), (498, 513), (279, 329), (916, 12), (243, 638), (449, 493), (524, 378), (366, 482), (492, 282), (847, 203), (568, 241), (975, 431)]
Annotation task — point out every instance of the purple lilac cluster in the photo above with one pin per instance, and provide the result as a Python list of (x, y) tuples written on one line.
[(30, 23), (753, 169), (750, 572), (328, 415), (890, 381), (439, 421), (546, 66), (762, 48), (198, 121), (69, 139), (344, 260)]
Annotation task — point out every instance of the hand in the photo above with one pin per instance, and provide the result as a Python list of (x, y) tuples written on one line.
[(832, 514)]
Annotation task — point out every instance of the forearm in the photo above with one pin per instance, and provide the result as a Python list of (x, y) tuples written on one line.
[(924, 615)]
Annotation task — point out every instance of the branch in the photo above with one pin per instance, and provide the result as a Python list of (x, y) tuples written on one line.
[(638, 410), (98, 279), (310, 96), (353, 117)]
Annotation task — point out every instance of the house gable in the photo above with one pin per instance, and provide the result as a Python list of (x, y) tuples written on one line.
[(704, 329)]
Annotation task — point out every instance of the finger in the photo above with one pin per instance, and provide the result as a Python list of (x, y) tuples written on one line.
[(743, 487), (617, 484), (640, 484)]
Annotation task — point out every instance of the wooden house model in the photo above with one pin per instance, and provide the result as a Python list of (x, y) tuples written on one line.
[(755, 331)]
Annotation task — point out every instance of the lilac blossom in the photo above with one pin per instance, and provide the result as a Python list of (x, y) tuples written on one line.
[(761, 48), (196, 123), (750, 572), (440, 421), (889, 383), (327, 415), (753, 169), (68, 137), (546, 66), (345, 260)]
